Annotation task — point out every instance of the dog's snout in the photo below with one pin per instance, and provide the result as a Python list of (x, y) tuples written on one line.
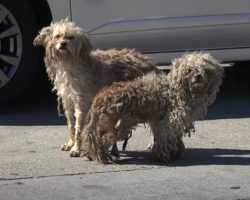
[(197, 79), (193, 80), (63, 45)]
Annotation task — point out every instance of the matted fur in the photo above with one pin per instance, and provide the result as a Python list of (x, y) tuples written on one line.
[(168, 103), (78, 72)]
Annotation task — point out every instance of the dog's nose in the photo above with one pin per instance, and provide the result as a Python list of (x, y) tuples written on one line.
[(63, 45), (197, 79)]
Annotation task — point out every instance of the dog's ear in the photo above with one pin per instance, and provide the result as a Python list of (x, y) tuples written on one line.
[(86, 46), (41, 38)]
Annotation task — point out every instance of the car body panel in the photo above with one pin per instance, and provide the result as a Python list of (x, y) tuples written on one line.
[(178, 34), (60, 9), (163, 28), (93, 13)]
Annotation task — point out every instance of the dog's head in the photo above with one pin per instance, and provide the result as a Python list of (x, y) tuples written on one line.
[(199, 73), (64, 40)]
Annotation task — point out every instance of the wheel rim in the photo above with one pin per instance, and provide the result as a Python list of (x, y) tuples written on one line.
[(10, 46)]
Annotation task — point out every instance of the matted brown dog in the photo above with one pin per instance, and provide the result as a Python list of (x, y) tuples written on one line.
[(78, 72), (168, 103)]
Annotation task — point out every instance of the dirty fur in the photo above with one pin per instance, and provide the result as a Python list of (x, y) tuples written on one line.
[(78, 72), (168, 103)]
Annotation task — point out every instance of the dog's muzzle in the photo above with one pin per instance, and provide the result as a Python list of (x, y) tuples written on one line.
[(197, 81), (61, 46)]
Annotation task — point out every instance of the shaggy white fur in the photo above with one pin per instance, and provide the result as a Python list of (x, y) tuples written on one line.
[(78, 72)]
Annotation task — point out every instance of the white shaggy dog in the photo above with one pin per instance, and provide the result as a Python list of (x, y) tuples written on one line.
[(78, 72)]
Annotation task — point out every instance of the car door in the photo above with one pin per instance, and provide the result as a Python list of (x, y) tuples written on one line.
[(163, 26)]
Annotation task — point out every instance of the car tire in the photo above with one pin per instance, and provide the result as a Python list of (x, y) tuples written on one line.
[(19, 60)]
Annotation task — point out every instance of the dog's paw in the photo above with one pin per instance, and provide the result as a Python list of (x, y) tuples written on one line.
[(150, 146), (114, 159), (65, 147), (74, 153), (178, 152), (161, 153)]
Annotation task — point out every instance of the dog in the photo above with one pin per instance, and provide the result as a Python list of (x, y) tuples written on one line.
[(78, 72), (169, 103)]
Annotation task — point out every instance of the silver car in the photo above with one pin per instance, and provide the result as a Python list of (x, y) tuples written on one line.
[(163, 29)]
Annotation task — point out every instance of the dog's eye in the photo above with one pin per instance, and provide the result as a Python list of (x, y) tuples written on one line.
[(70, 37), (57, 36)]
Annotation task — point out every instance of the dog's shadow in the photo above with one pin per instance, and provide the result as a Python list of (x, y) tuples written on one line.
[(191, 157)]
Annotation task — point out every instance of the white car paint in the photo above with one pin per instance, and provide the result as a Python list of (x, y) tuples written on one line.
[(164, 29)]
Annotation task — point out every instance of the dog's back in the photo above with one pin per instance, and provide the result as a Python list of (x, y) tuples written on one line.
[(124, 64)]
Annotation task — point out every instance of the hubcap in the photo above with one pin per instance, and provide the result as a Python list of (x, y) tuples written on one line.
[(10, 46)]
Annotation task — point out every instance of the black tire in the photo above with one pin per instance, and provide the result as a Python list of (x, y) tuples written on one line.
[(27, 55)]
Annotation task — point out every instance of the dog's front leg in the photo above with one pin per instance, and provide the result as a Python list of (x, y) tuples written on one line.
[(69, 112), (79, 116), (177, 153), (166, 143)]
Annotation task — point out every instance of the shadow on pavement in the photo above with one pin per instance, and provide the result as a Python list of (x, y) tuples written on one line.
[(32, 112), (191, 157), (214, 156)]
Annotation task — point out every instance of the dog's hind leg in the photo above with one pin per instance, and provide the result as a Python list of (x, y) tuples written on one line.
[(165, 141), (114, 150), (125, 131)]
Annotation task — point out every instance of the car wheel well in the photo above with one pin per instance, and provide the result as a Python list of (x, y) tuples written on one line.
[(42, 11)]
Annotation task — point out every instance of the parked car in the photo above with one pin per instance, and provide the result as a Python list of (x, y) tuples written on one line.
[(163, 29)]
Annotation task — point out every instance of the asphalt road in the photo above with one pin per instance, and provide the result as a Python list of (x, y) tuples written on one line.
[(215, 164)]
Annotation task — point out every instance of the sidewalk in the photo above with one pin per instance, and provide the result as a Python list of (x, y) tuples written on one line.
[(215, 165)]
